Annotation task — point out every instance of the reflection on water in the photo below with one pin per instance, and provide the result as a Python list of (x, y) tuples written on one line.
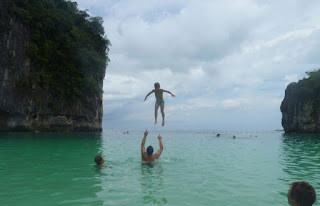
[(48, 168), (151, 182), (58, 168), (300, 157)]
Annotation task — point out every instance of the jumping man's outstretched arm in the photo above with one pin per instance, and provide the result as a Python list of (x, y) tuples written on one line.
[(169, 92), (157, 155), (148, 94), (143, 149)]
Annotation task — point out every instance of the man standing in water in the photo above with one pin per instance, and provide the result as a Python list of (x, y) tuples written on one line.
[(148, 155)]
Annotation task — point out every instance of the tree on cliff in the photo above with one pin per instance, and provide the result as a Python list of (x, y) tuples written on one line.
[(68, 51), (309, 88), (313, 73)]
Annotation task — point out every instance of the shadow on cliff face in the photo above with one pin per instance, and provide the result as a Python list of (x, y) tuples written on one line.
[(301, 105), (4, 116), (299, 157), (53, 58)]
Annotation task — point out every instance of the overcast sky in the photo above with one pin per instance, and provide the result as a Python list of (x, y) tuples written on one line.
[(227, 61)]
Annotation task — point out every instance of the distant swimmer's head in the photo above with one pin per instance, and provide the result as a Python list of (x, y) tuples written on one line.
[(98, 160), (156, 85), (149, 150), (301, 194)]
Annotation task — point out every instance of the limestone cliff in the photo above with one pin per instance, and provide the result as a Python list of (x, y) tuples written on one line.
[(300, 107), (34, 90)]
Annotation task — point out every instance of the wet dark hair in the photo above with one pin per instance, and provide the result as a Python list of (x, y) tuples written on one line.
[(156, 85), (302, 193), (98, 159), (149, 150)]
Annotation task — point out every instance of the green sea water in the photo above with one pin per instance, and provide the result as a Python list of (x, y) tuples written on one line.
[(196, 168)]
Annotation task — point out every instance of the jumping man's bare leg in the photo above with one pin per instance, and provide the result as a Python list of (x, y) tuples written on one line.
[(162, 112), (156, 107)]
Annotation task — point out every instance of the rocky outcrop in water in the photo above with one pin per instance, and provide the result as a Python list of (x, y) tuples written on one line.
[(29, 95), (300, 107)]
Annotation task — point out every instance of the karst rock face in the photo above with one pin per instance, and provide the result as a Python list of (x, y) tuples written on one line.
[(19, 112), (300, 114)]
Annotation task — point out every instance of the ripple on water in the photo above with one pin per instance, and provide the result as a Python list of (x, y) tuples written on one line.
[(195, 168)]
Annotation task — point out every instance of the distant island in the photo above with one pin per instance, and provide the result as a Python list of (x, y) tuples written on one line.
[(53, 58), (301, 105)]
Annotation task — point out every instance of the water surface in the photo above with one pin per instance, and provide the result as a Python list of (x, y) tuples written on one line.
[(196, 168)]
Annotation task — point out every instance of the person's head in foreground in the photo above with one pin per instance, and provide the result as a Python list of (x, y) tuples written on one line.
[(156, 85), (301, 194), (150, 151), (98, 160)]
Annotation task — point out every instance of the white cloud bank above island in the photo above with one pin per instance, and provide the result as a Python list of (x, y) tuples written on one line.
[(228, 62)]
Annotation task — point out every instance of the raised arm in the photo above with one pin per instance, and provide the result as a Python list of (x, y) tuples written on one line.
[(143, 149), (157, 155), (148, 94), (169, 92)]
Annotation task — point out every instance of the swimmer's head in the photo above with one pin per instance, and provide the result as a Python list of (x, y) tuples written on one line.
[(98, 160), (149, 150), (301, 193), (156, 85)]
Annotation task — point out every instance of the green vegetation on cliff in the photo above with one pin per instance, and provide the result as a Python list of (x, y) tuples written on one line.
[(68, 51), (309, 89)]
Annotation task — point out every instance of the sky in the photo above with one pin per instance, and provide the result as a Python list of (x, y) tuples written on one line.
[(228, 62)]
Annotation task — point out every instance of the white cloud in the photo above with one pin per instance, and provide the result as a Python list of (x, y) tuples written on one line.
[(232, 103), (120, 87), (221, 58), (291, 78)]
